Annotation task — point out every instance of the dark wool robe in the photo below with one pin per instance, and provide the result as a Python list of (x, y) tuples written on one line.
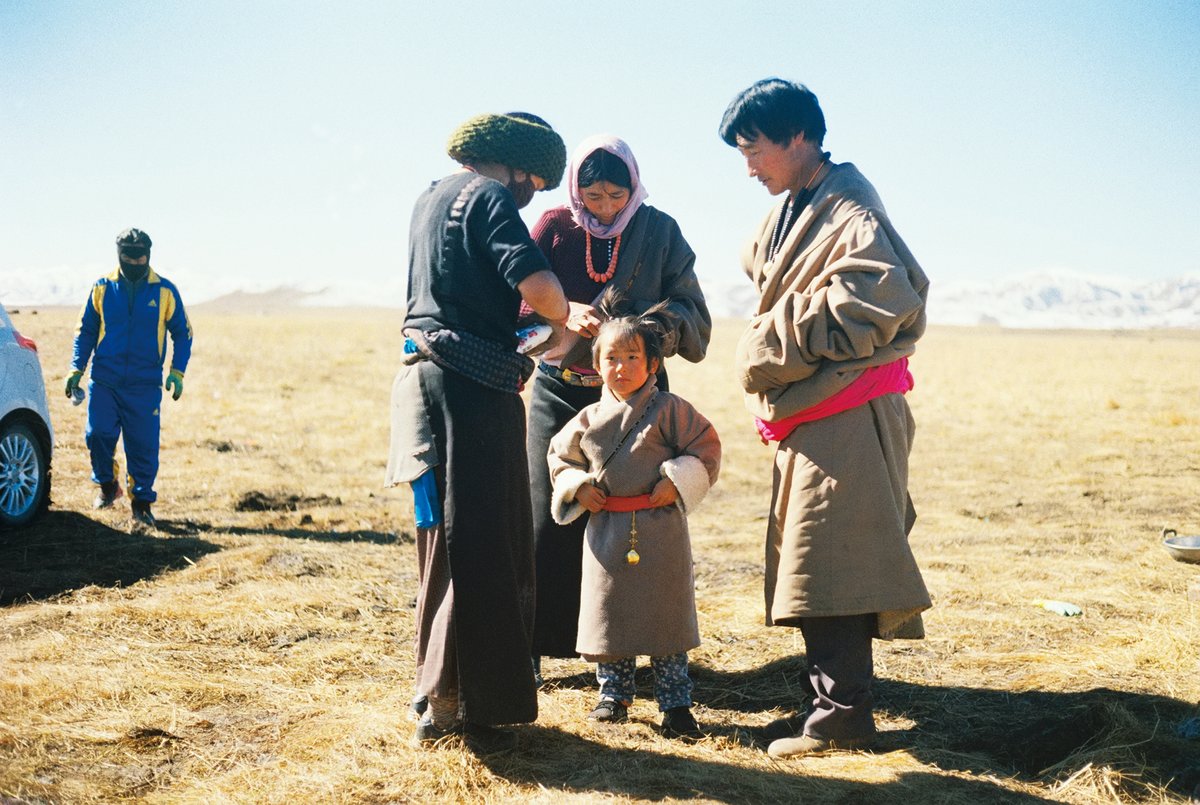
[(655, 264), (469, 251)]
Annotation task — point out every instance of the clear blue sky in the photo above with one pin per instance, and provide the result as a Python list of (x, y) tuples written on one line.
[(285, 142)]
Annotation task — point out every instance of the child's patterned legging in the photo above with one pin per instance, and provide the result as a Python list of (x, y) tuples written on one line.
[(672, 685)]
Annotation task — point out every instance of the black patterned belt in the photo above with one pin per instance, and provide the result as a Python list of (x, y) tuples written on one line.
[(479, 359), (571, 378)]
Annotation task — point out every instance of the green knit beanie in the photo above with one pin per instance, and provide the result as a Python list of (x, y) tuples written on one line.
[(512, 141)]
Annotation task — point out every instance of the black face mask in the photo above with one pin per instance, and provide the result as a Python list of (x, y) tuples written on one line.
[(522, 192), (133, 272)]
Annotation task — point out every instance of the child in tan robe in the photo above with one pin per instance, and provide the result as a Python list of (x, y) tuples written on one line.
[(639, 460)]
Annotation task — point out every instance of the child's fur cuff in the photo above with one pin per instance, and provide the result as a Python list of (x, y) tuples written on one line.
[(690, 477), (563, 506)]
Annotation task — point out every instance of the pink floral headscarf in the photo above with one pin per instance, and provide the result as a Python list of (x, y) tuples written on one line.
[(637, 194)]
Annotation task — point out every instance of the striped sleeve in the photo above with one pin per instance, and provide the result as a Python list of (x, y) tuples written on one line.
[(175, 320), (90, 329)]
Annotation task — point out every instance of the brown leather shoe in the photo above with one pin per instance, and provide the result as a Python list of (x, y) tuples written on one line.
[(805, 745)]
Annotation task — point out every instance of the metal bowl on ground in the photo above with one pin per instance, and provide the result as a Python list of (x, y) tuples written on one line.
[(1185, 549)]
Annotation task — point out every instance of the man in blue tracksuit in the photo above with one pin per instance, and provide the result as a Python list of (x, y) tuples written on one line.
[(123, 328)]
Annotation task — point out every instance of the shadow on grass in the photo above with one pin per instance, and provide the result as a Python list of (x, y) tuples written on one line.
[(560, 761), (192, 528), (65, 550), (1034, 735), (325, 535)]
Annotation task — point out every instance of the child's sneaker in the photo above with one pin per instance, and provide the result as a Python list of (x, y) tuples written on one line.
[(678, 722), (609, 711)]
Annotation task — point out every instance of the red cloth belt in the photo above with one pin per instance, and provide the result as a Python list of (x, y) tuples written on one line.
[(630, 504), (891, 378)]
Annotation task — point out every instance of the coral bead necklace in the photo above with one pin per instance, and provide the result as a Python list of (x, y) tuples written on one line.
[(614, 251)]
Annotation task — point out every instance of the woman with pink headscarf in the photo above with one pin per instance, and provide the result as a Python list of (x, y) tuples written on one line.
[(605, 236)]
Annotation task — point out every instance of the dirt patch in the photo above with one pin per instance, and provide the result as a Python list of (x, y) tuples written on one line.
[(149, 737), (288, 639), (226, 446), (295, 564), (255, 501)]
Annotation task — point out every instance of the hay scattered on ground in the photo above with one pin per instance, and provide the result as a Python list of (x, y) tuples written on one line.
[(257, 648)]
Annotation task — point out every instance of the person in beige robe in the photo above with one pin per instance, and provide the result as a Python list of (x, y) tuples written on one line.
[(842, 301)]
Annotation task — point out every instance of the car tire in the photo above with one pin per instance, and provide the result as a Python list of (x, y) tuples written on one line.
[(24, 474)]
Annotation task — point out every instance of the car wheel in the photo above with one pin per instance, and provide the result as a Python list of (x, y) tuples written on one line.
[(23, 474)]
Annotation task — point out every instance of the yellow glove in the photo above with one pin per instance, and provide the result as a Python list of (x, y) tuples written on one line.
[(174, 384), (73, 382)]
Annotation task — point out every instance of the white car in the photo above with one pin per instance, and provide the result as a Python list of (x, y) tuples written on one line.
[(26, 436)]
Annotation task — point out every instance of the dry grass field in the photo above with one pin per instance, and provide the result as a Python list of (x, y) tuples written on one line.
[(257, 648)]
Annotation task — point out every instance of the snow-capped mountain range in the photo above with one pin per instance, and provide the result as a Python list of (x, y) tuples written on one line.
[(1051, 300), (1065, 300), (1044, 300)]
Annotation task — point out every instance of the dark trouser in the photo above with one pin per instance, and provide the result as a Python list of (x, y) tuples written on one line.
[(840, 669), (558, 548), (475, 606), (437, 644)]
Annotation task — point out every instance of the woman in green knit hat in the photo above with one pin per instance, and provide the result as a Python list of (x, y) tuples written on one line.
[(458, 425)]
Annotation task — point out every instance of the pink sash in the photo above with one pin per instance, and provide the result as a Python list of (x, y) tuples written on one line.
[(891, 378)]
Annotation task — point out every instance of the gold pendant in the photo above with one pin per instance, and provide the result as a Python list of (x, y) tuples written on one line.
[(632, 557)]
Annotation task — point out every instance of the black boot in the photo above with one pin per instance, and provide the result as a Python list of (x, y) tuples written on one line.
[(108, 494), (679, 723), (141, 513)]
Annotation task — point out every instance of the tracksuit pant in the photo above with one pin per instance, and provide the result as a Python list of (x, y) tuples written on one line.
[(131, 412)]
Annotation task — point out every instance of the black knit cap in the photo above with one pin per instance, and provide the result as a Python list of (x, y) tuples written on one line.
[(513, 140), (134, 243)]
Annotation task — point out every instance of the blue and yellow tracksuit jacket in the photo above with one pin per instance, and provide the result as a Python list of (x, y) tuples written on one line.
[(128, 333)]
